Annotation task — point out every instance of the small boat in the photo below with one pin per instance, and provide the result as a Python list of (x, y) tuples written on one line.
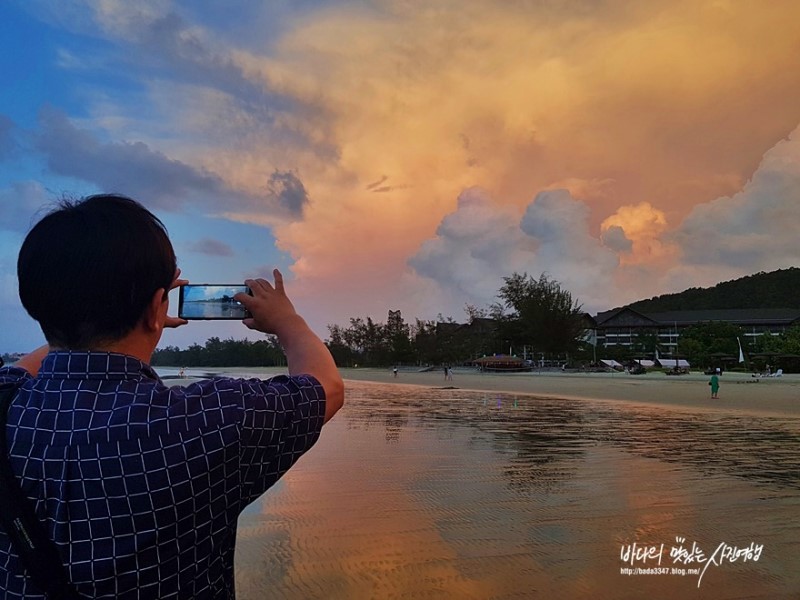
[(502, 363)]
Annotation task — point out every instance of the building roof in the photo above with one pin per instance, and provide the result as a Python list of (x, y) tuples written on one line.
[(749, 316), (627, 316)]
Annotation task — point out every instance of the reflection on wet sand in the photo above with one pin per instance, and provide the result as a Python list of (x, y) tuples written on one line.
[(425, 493)]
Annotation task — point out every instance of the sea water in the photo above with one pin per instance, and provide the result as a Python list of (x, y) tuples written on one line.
[(430, 493)]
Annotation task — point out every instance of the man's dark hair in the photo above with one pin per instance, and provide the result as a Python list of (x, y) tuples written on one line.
[(88, 270)]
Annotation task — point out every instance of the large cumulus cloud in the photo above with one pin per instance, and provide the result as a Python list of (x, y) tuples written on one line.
[(635, 254), (617, 102), (477, 245), (470, 245), (756, 228)]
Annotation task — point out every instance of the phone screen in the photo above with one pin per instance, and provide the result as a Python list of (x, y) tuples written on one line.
[(211, 301)]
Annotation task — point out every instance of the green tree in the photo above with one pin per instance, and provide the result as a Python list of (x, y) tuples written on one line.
[(541, 314), (425, 343), (474, 313), (365, 341), (645, 344), (398, 337), (791, 340), (766, 342), (615, 352), (342, 353), (695, 352), (700, 342)]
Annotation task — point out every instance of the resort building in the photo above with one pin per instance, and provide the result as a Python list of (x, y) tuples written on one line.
[(623, 326)]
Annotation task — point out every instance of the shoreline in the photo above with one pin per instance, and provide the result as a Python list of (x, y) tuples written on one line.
[(739, 392)]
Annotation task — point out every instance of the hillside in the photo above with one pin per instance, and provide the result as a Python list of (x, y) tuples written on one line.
[(778, 289)]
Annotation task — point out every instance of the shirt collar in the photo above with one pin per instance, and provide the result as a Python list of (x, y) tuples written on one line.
[(70, 364)]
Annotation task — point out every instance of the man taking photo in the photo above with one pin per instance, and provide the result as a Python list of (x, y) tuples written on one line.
[(138, 486)]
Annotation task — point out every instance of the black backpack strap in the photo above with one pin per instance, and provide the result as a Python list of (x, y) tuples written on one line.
[(37, 551)]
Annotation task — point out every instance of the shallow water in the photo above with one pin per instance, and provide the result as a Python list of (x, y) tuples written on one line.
[(428, 493)]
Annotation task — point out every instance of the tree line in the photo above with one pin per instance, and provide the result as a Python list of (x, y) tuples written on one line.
[(531, 315), (368, 343)]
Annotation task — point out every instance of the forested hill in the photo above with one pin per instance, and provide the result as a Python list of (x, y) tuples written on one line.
[(778, 289)]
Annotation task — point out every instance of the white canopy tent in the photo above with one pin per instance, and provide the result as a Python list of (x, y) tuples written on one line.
[(674, 362), (611, 363)]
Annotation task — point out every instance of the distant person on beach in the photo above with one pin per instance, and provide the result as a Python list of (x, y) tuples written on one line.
[(140, 485), (714, 383), (394, 370)]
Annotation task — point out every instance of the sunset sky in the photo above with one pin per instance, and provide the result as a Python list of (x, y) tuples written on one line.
[(407, 154)]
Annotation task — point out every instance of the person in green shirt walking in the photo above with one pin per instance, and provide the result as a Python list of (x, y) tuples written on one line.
[(714, 383)]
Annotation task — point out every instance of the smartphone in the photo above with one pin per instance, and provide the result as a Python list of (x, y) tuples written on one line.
[(211, 302)]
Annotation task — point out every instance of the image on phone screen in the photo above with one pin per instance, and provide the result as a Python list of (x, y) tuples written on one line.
[(211, 301)]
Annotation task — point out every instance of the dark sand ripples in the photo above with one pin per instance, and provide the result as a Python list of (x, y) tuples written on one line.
[(427, 493)]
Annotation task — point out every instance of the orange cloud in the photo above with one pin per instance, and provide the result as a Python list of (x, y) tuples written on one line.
[(644, 226), (675, 102), (656, 100)]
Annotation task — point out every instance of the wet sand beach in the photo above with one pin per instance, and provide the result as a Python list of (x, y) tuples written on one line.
[(739, 392), (536, 486)]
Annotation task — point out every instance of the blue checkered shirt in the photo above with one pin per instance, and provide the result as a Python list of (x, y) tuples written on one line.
[(139, 484)]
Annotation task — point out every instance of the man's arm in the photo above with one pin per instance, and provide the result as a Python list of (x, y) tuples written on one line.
[(32, 361), (274, 313), (306, 354)]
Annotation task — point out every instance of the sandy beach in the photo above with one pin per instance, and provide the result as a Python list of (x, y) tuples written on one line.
[(739, 392)]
